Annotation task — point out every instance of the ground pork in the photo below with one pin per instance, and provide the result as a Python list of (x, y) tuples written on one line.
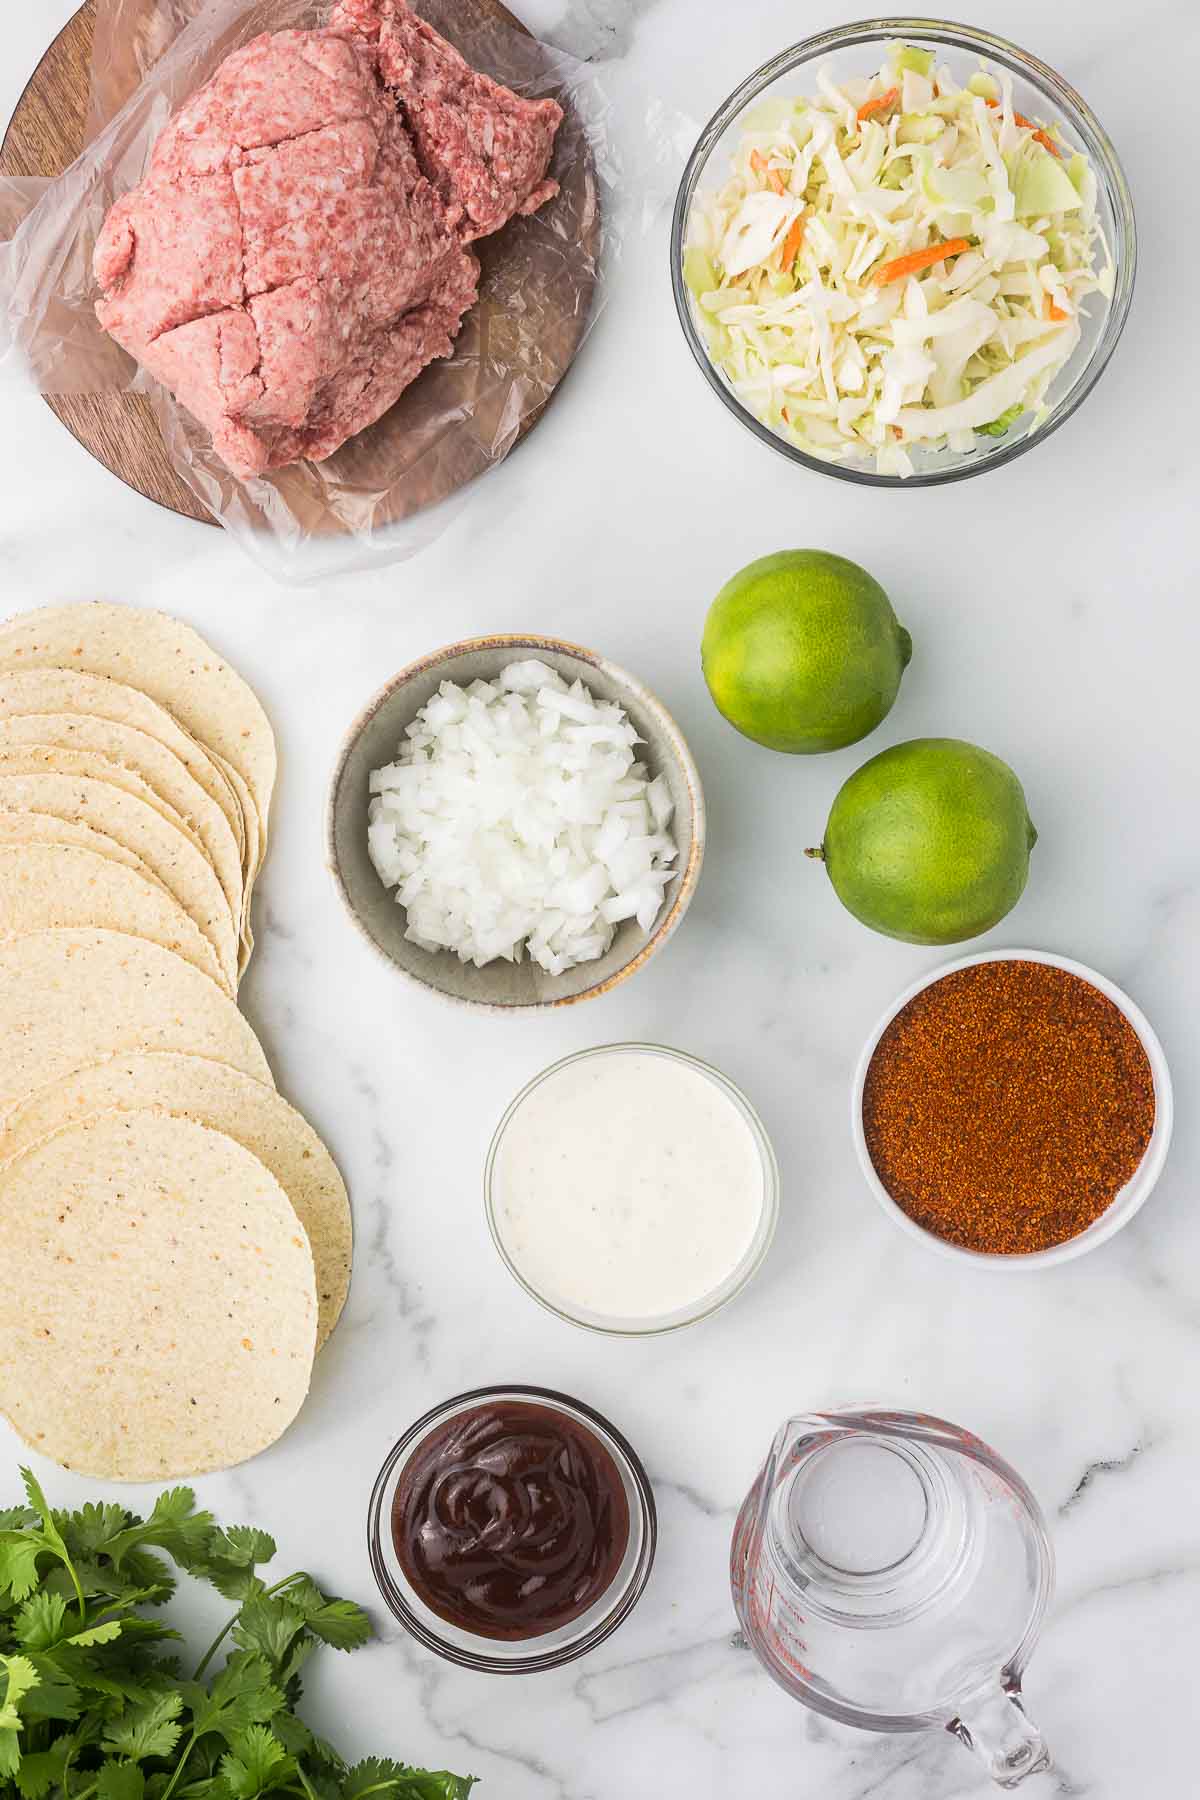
[(485, 149), (294, 258)]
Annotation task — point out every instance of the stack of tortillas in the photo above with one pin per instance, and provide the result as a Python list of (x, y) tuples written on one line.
[(175, 1240)]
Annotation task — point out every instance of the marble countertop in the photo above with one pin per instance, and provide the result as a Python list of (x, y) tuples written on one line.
[(1054, 615)]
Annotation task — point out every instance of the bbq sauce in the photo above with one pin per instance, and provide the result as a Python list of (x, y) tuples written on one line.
[(510, 1520)]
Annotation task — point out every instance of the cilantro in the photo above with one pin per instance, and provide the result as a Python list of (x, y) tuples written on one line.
[(151, 1729), (257, 1763), (41, 1621), (120, 1781), (90, 1707)]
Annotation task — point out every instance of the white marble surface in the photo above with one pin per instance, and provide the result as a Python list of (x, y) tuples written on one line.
[(1053, 607)]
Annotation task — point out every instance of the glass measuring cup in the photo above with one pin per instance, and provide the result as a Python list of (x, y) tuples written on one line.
[(889, 1570)]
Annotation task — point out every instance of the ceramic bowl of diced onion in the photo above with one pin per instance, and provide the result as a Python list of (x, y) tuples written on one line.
[(515, 822), (855, 156)]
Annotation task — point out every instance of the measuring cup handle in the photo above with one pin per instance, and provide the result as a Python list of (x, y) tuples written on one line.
[(997, 1728)]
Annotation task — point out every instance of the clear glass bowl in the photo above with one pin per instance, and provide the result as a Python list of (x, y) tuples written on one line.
[(1037, 91), (491, 1656), (708, 1303)]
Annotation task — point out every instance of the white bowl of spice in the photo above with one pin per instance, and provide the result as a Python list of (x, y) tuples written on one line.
[(1012, 1109)]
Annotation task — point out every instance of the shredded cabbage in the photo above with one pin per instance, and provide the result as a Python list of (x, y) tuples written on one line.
[(815, 282)]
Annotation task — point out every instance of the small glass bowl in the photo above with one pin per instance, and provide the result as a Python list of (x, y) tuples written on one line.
[(1121, 1208), (707, 1304), (1036, 90), (491, 1656)]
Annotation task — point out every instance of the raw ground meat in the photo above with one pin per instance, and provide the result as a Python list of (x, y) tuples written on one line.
[(292, 259), (485, 149)]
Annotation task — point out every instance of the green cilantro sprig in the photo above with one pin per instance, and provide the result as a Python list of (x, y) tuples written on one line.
[(93, 1702)]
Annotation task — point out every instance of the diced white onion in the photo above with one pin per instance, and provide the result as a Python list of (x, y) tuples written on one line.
[(517, 819)]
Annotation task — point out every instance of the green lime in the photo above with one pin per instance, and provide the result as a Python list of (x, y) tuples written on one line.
[(803, 652), (929, 841)]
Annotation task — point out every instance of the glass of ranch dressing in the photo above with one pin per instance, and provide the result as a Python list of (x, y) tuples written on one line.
[(631, 1189)]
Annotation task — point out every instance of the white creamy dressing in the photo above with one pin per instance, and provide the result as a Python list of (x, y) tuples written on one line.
[(628, 1185)]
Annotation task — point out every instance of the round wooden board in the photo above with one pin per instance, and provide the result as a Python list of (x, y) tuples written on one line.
[(46, 134)]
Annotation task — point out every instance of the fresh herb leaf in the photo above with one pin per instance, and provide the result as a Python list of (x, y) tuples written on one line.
[(16, 1518), (97, 1634), (116, 1681), (242, 1695), (41, 1770), (174, 1526), (256, 1763), (270, 1626), (88, 1532), (54, 1697), (18, 1562), (339, 1623), (120, 1781), (141, 1572), (246, 1544), (19, 1678), (231, 1559), (150, 1729), (49, 1538), (91, 1708), (376, 1778), (40, 1622)]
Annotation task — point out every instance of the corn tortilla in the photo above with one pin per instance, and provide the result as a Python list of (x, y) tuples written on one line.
[(45, 886), (157, 1302), (37, 690), (255, 849), (76, 785), (165, 659), (70, 997), (224, 1099), (44, 828), (160, 769)]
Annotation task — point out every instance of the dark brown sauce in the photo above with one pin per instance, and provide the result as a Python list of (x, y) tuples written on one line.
[(510, 1520)]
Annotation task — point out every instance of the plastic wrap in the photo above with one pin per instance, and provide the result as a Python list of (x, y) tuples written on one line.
[(390, 490)]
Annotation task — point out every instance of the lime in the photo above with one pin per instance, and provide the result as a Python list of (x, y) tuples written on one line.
[(803, 652), (929, 841)]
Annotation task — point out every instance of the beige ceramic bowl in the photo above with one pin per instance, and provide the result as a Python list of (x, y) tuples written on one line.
[(372, 741)]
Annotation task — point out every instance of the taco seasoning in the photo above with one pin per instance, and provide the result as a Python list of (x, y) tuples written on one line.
[(1007, 1105)]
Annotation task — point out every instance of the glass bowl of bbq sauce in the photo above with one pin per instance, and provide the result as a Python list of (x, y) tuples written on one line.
[(512, 1529)]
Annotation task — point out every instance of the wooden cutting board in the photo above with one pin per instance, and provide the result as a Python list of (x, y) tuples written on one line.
[(46, 134)]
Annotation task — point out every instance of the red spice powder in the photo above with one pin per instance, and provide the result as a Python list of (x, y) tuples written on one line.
[(1007, 1105)]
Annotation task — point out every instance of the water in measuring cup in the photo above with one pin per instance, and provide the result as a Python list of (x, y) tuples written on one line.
[(886, 1573)]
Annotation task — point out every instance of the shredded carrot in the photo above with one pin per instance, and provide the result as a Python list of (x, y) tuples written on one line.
[(758, 163), (896, 431), (1055, 312), (901, 266), (785, 415), (873, 106), (792, 243), (1039, 136)]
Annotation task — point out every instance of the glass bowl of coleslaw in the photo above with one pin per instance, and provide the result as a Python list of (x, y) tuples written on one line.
[(903, 252)]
